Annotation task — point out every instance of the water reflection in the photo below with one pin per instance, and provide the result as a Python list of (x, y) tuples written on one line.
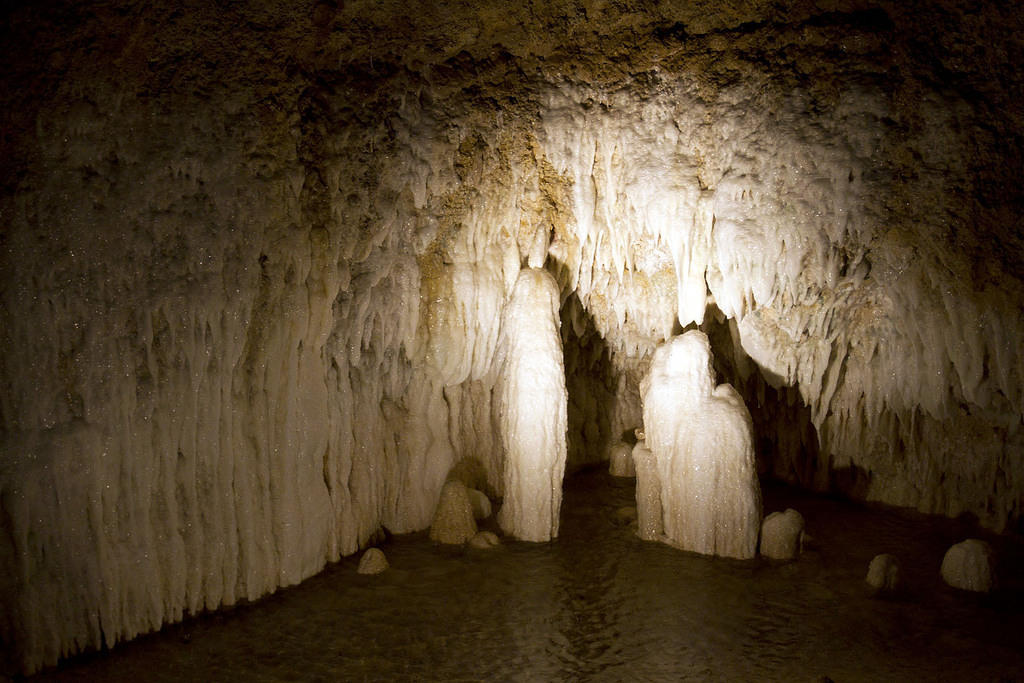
[(599, 604)]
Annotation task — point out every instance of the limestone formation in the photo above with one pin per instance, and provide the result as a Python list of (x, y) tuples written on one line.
[(648, 494), (453, 520), (253, 289), (969, 566), (373, 561), (484, 540), (781, 535), (702, 439), (531, 408), (620, 461), (884, 573), (481, 504)]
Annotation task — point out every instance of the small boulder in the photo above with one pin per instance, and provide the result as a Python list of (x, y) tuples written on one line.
[(780, 535), (620, 462), (372, 562), (968, 566), (484, 540), (453, 519), (884, 573)]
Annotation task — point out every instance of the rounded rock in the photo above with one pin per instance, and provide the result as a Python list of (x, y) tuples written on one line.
[(968, 565), (780, 535), (884, 573), (481, 504), (484, 540), (373, 561)]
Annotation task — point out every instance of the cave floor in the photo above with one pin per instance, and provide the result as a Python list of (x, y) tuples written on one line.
[(601, 605)]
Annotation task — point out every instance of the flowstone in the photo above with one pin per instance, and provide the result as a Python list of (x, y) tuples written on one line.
[(701, 437), (532, 408)]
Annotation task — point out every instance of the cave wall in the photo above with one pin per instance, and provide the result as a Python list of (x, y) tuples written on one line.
[(252, 288)]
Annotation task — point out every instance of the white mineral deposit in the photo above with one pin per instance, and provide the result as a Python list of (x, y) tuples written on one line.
[(272, 273), (531, 408), (702, 439)]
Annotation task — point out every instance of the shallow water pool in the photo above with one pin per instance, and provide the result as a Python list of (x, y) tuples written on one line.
[(599, 604)]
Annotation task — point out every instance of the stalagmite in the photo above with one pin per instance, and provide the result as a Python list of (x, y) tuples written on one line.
[(884, 573), (373, 561), (968, 565), (532, 408), (648, 494), (702, 439), (485, 540), (481, 504), (781, 533), (453, 520), (620, 460)]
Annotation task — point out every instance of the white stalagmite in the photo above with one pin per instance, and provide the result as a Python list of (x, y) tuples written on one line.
[(480, 502), (702, 439), (532, 408), (648, 494)]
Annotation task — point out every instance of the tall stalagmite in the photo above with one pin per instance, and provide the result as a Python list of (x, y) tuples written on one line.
[(532, 408)]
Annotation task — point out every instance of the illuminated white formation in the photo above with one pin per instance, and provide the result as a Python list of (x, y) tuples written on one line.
[(243, 331), (702, 439), (532, 408), (883, 329)]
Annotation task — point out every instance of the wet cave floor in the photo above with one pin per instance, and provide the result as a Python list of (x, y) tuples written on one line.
[(599, 604)]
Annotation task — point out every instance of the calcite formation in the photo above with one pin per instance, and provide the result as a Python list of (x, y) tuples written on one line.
[(781, 534), (620, 460), (252, 288), (532, 408), (969, 565), (701, 437), (884, 573), (454, 522)]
